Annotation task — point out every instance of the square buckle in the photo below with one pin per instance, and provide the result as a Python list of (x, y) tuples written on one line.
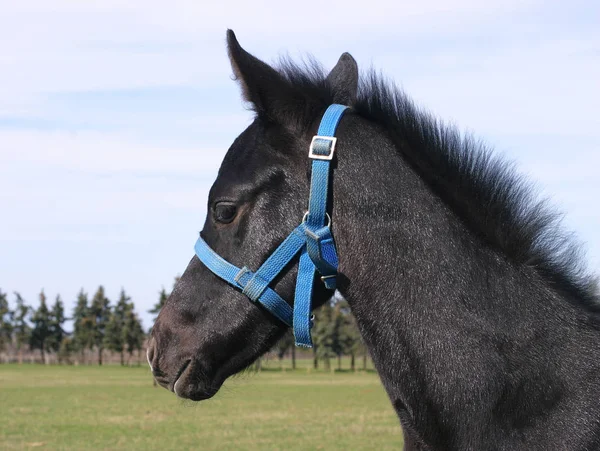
[(315, 156), (241, 273)]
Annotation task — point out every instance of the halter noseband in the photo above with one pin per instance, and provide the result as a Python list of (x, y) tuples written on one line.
[(312, 239)]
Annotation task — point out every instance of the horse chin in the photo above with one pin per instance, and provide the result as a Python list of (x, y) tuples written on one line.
[(192, 384)]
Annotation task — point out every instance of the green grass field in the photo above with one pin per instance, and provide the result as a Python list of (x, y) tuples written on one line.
[(112, 407)]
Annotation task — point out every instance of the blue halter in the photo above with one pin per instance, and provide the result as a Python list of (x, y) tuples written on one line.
[(312, 239)]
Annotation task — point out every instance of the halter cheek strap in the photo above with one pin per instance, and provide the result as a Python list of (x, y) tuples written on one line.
[(312, 239)]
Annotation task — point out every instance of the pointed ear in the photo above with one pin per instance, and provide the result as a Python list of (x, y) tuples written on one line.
[(343, 79), (261, 85)]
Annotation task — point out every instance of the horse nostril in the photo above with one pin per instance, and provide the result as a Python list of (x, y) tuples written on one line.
[(150, 353)]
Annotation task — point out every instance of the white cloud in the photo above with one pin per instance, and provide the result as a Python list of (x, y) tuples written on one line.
[(98, 152), (189, 16), (74, 45), (548, 86), (89, 185)]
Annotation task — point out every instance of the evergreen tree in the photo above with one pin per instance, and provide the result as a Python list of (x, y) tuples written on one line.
[(293, 355), (362, 350), (100, 314), (65, 350), (114, 339), (21, 328), (40, 332), (57, 319), (284, 344), (134, 335), (348, 335), (337, 332), (162, 298), (83, 325), (323, 333), (6, 322), (355, 344), (343, 336)]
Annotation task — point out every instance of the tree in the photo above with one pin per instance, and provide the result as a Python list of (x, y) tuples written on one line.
[(162, 299), (65, 350), (353, 342), (114, 339), (100, 314), (6, 320), (323, 333), (133, 331), (350, 337), (83, 325), (362, 349), (40, 332), (57, 319), (286, 342), (21, 328), (337, 330)]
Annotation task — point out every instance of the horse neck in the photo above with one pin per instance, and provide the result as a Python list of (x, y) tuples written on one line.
[(456, 330)]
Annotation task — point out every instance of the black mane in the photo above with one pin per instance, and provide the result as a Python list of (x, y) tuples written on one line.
[(486, 192)]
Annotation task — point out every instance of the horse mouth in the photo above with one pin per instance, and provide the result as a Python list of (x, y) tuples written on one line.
[(190, 383)]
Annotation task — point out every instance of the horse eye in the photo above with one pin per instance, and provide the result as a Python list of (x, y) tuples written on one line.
[(224, 212)]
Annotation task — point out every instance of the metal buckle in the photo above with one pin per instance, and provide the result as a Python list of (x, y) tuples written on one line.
[(316, 156), (326, 216), (240, 274)]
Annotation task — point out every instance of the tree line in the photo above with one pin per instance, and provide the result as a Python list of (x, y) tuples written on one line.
[(335, 334), (100, 327)]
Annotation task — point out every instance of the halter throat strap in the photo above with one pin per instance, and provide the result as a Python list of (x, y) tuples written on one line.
[(312, 239)]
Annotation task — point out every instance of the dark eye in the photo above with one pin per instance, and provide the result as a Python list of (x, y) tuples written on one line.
[(224, 212)]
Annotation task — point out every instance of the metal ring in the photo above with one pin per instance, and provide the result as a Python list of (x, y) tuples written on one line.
[(326, 215)]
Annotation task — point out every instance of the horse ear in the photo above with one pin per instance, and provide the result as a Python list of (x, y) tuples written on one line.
[(343, 79), (261, 85)]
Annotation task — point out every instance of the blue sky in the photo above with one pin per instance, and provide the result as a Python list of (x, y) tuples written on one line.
[(114, 116)]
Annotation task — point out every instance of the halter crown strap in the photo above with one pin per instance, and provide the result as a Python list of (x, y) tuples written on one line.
[(319, 252), (312, 239)]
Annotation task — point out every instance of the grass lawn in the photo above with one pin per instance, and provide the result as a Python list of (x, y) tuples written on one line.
[(111, 407)]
